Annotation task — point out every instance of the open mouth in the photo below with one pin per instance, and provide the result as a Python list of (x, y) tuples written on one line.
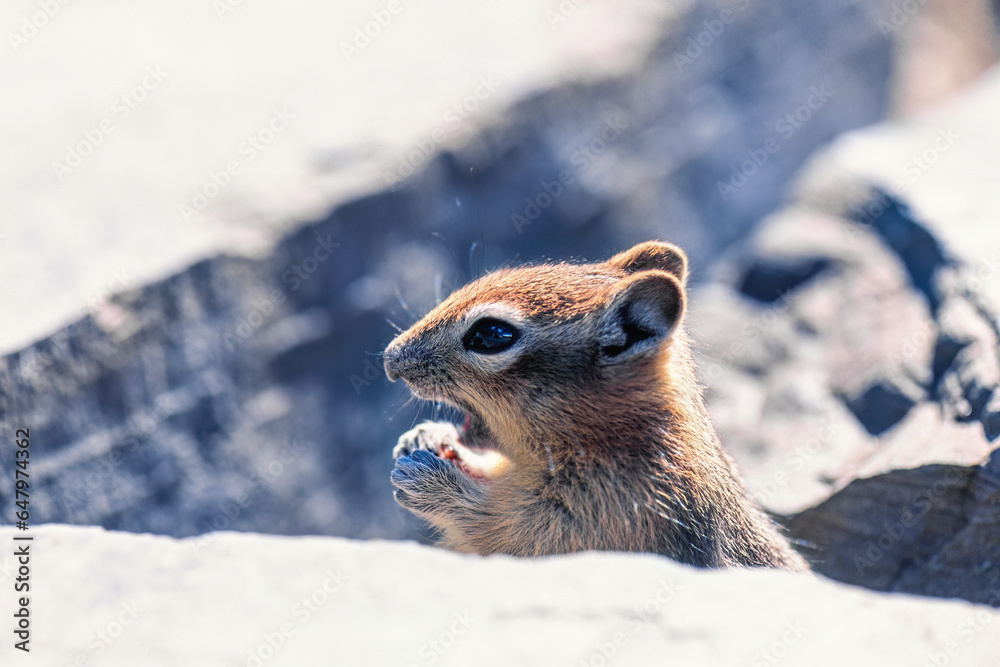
[(476, 453), (475, 434)]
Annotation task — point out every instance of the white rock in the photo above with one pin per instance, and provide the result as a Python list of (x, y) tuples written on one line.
[(157, 99), (119, 599)]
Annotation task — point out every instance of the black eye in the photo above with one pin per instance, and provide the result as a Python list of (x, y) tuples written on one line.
[(489, 336)]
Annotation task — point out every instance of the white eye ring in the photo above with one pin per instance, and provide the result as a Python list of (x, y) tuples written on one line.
[(496, 357)]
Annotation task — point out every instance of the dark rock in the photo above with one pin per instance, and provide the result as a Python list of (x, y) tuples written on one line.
[(918, 249), (945, 350), (968, 561), (246, 394), (863, 422), (770, 279), (873, 529), (991, 416), (880, 407), (934, 530)]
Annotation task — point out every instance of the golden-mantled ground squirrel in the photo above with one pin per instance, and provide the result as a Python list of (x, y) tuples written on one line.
[(585, 427)]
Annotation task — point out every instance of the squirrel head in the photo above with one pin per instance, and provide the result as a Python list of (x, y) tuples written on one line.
[(529, 350)]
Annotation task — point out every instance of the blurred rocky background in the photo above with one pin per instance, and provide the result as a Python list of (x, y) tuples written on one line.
[(215, 224)]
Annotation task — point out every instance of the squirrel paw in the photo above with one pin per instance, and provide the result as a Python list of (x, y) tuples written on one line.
[(424, 481), (439, 438)]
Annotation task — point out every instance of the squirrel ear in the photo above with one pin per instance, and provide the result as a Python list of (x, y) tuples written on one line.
[(643, 312), (653, 255)]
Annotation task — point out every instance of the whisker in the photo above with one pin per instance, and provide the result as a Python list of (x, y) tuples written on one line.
[(399, 404), (403, 304), (416, 414), (482, 229), (439, 288), (472, 260), (454, 260)]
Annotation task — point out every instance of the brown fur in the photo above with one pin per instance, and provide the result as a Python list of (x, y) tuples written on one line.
[(589, 433)]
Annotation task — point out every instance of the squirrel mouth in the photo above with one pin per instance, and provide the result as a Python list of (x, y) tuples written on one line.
[(476, 453), (472, 429), (475, 434)]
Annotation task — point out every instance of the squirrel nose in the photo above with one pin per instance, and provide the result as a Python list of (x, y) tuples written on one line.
[(404, 359), (391, 362)]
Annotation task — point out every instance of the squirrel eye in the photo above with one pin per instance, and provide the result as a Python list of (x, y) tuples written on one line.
[(489, 336)]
